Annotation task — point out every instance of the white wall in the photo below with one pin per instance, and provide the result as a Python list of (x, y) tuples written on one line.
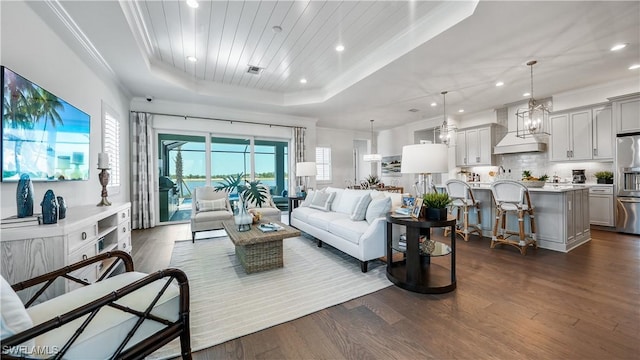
[(30, 48), (595, 94), (341, 144)]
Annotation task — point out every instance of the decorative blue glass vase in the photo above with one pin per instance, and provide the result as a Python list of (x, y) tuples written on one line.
[(24, 196), (62, 208), (49, 206)]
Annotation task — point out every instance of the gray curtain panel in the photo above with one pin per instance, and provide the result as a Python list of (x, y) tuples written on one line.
[(142, 187), (298, 139)]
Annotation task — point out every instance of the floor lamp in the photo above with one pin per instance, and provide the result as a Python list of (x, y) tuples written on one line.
[(306, 169), (425, 159)]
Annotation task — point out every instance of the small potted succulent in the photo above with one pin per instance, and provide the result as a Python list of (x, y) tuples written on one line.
[(604, 177), (436, 205)]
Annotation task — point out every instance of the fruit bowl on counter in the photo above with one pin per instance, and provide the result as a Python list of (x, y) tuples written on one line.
[(533, 183)]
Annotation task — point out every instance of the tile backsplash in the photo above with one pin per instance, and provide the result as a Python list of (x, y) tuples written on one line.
[(539, 164)]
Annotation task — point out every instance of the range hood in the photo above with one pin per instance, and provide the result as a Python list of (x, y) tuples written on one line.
[(511, 143)]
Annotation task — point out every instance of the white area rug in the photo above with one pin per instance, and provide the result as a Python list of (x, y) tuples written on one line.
[(226, 303)]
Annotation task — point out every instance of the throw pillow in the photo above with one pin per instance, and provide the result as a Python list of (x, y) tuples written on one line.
[(14, 316), (211, 205), (308, 199), (378, 208), (322, 200), (348, 200), (360, 210)]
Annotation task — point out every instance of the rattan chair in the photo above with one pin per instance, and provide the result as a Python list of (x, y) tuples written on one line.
[(511, 197), (126, 316), (463, 201)]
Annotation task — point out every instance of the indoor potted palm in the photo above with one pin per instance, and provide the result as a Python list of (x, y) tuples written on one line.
[(248, 191), (604, 177), (436, 205)]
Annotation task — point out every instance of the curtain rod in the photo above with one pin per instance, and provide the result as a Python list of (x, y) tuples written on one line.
[(217, 119)]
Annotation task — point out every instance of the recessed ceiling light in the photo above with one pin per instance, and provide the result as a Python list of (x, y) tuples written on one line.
[(634, 66), (303, 81), (434, 104), (499, 83), (461, 110), (192, 58), (276, 29), (193, 3), (340, 48), (526, 94), (617, 47)]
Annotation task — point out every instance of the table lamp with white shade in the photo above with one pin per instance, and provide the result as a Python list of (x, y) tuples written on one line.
[(306, 169), (425, 159)]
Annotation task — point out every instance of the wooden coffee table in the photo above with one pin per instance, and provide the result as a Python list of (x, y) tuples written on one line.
[(257, 250)]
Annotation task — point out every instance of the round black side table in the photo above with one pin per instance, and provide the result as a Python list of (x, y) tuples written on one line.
[(415, 271)]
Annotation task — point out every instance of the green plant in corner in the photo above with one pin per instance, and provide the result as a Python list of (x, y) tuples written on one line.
[(606, 175), (436, 200), (251, 191)]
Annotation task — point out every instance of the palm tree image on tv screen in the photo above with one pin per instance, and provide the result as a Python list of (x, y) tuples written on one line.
[(42, 135)]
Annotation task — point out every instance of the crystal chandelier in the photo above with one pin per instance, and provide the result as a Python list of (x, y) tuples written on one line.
[(446, 130), (535, 118), (372, 157)]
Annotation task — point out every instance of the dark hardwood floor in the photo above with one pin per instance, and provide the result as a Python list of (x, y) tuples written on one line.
[(545, 305)]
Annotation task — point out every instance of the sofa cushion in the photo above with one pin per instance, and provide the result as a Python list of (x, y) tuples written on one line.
[(347, 229), (360, 210), (302, 213), (203, 216), (308, 199), (349, 200), (322, 200), (211, 205), (14, 316), (378, 208), (321, 219), (338, 197)]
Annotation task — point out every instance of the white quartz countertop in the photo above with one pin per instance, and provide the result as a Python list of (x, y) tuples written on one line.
[(549, 187)]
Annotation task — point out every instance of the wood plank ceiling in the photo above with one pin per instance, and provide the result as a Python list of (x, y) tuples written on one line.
[(228, 36)]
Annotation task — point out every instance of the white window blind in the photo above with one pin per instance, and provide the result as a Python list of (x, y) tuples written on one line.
[(111, 146), (323, 163)]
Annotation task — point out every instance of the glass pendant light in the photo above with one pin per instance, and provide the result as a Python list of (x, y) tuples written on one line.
[(446, 131), (372, 157)]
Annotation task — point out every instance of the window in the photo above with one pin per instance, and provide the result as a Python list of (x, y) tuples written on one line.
[(323, 163), (111, 145)]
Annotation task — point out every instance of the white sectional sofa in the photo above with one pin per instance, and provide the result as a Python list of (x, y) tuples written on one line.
[(340, 221)]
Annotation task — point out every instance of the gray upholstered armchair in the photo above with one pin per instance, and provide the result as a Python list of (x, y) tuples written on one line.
[(208, 210)]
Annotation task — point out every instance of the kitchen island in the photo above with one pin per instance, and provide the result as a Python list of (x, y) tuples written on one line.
[(561, 215)]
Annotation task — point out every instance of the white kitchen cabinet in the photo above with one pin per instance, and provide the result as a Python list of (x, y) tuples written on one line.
[(85, 232), (627, 113), (571, 136), (603, 133), (601, 205), (473, 147)]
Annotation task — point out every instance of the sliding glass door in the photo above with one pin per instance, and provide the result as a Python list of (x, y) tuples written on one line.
[(189, 161), (181, 166)]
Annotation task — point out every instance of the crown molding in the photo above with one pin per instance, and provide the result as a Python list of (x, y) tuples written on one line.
[(79, 35)]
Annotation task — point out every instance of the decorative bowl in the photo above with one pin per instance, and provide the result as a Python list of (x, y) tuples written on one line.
[(532, 183)]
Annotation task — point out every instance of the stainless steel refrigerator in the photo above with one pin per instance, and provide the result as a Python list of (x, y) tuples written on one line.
[(628, 183)]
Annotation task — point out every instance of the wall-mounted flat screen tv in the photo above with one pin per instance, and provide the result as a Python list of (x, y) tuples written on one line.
[(42, 135)]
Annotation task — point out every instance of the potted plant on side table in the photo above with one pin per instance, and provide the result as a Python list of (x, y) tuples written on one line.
[(436, 205), (604, 177)]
